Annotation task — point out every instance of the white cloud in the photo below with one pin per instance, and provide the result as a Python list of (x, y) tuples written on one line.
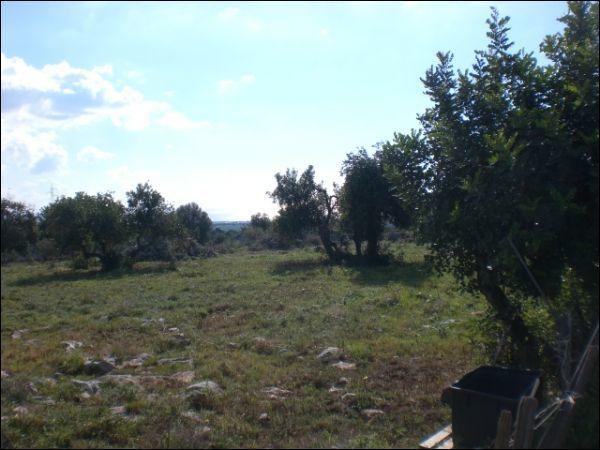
[(254, 25), (90, 153), (228, 13), (225, 86), (39, 103)]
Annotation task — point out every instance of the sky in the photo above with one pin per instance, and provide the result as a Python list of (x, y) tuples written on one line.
[(207, 101)]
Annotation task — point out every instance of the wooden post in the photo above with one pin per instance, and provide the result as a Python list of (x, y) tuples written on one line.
[(504, 430), (525, 418), (555, 436)]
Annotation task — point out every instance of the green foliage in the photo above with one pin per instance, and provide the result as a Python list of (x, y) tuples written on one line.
[(509, 150), (88, 225), (19, 228), (367, 201), (259, 220), (151, 220), (194, 221)]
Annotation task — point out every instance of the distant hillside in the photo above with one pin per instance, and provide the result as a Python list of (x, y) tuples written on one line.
[(226, 226)]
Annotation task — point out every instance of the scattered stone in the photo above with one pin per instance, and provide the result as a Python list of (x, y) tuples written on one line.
[(276, 393), (136, 362), (118, 410), (173, 330), (162, 362), (205, 386), (5, 374), (91, 386), (334, 389), (136, 380), (264, 417), (183, 377), (343, 381), (344, 365), (44, 400), (97, 367), (71, 345), (370, 414), (21, 410), (32, 387), (329, 354), (350, 398), (193, 416), (17, 334), (233, 345), (85, 396)]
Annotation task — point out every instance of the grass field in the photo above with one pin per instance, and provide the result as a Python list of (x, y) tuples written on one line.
[(248, 322)]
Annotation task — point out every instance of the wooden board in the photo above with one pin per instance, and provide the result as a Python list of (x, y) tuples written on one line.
[(440, 439)]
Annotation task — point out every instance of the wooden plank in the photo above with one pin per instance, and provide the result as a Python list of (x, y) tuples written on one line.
[(504, 430), (437, 438), (446, 443), (525, 421)]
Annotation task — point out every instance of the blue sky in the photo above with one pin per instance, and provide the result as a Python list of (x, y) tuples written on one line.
[(207, 101)]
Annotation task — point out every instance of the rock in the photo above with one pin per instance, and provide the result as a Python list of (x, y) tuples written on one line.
[(264, 417), (329, 354), (193, 416), (205, 386), (173, 330), (335, 390), (21, 410), (136, 362), (350, 398), (91, 386), (164, 361), (118, 410), (183, 377), (343, 381), (344, 365), (17, 334), (44, 400), (71, 345), (5, 374), (97, 367), (137, 380), (276, 393), (233, 345), (370, 414)]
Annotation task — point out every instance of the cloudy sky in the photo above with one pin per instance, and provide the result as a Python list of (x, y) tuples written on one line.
[(206, 101)]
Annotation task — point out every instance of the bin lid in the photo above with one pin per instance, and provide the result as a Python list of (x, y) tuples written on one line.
[(500, 382)]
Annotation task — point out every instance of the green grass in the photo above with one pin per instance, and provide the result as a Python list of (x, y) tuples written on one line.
[(392, 321)]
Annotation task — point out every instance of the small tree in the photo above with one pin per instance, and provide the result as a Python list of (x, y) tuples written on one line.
[(150, 218), (19, 228), (305, 205), (261, 221), (367, 201), (194, 221), (92, 225)]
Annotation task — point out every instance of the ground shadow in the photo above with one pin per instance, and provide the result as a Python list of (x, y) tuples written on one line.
[(412, 273), (298, 266), (78, 275)]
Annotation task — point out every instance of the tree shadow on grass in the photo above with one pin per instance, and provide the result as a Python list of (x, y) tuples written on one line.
[(78, 275), (299, 266), (412, 273)]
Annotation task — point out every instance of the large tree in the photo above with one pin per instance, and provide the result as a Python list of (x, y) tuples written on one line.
[(194, 221), (95, 226), (19, 228), (367, 201), (150, 217), (509, 192), (305, 205)]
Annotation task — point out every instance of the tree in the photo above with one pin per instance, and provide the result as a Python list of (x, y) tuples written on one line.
[(92, 225), (367, 201), (150, 217), (305, 205), (509, 160), (19, 228), (194, 221), (261, 221)]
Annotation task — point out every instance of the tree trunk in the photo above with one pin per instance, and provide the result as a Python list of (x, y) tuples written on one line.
[(358, 245), (372, 249), (329, 246)]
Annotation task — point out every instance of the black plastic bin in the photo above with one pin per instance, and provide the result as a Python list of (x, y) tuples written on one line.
[(478, 398)]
